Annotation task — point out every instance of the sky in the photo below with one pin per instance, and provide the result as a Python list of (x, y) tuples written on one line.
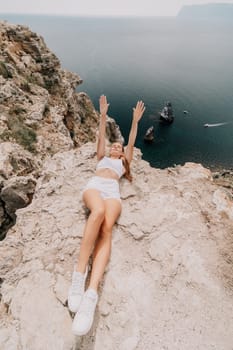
[(100, 7)]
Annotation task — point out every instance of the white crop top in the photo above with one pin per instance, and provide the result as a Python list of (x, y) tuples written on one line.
[(113, 164)]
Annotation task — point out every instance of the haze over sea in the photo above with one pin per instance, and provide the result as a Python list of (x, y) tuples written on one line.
[(154, 59)]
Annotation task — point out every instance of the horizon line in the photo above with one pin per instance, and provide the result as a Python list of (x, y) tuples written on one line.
[(82, 15)]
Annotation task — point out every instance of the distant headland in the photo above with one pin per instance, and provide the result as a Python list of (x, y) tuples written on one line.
[(208, 11)]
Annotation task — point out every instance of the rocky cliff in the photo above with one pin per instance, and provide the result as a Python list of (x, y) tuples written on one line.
[(169, 283), (40, 114), (207, 11)]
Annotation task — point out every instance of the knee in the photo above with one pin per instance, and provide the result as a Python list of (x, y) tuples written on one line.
[(98, 214), (106, 232)]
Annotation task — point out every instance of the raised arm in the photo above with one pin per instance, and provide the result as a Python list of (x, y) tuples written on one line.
[(137, 115), (102, 127)]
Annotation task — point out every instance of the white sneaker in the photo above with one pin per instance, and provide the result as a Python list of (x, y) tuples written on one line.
[(76, 290), (84, 317)]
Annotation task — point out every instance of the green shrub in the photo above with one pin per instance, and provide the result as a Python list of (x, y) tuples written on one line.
[(22, 134), (31, 79), (4, 71), (48, 85), (5, 135), (26, 137), (46, 110), (26, 87), (17, 110)]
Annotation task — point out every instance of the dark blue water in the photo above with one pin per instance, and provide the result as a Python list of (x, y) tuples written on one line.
[(155, 59)]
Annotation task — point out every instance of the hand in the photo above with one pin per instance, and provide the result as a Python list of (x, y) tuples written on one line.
[(138, 111), (103, 105)]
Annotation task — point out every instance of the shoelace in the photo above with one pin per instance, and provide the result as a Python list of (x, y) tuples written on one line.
[(77, 285), (88, 305)]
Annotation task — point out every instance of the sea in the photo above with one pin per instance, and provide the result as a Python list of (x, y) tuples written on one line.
[(187, 62)]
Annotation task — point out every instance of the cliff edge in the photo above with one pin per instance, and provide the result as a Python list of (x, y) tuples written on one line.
[(169, 282)]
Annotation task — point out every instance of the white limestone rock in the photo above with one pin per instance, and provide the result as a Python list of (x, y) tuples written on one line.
[(223, 201), (169, 281)]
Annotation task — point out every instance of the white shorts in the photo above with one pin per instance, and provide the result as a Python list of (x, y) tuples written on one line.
[(108, 188)]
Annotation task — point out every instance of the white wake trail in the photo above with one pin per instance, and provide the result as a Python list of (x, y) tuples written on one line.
[(214, 125)]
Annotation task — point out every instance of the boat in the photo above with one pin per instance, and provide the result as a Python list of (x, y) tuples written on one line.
[(166, 115), (186, 112), (214, 125), (149, 135)]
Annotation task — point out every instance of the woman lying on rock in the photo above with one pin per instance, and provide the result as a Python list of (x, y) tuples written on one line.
[(101, 196)]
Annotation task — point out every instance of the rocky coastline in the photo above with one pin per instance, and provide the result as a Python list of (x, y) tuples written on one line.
[(169, 282), (40, 114), (224, 178)]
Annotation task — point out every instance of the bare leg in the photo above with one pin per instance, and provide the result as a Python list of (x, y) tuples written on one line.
[(103, 244), (96, 205)]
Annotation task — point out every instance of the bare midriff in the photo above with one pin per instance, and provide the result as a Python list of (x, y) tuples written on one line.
[(107, 173)]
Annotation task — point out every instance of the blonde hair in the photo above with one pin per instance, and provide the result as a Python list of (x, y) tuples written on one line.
[(127, 173)]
